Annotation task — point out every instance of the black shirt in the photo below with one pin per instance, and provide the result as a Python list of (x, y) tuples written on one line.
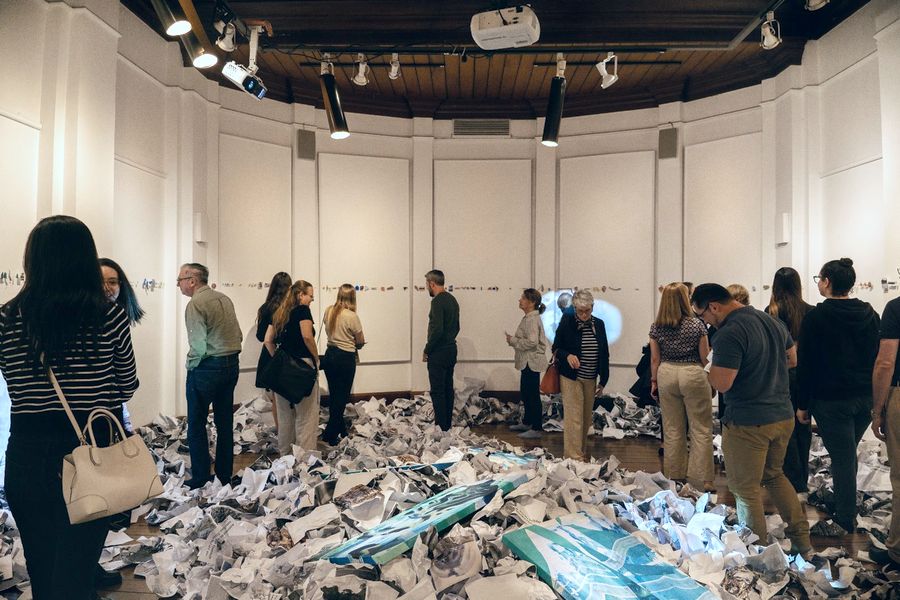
[(837, 353), (265, 319), (890, 330), (290, 337)]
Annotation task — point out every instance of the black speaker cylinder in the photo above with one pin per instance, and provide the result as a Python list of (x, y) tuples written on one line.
[(554, 111), (337, 123)]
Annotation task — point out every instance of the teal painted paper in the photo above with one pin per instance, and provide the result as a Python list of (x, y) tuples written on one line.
[(584, 557), (398, 534)]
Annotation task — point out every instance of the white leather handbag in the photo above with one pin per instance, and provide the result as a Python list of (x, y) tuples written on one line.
[(100, 482)]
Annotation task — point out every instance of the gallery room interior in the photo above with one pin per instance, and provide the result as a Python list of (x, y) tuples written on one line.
[(612, 148)]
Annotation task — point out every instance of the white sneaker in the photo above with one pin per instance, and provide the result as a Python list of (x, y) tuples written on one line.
[(530, 434), (519, 427)]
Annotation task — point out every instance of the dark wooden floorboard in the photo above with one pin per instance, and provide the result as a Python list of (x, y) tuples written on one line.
[(633, 453)]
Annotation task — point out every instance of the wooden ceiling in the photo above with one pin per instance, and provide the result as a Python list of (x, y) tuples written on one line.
[(668, 50)]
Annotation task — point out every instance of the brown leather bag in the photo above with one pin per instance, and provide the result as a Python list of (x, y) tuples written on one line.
[(550, 380)]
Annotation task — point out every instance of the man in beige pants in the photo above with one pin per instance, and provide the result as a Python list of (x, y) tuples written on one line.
[(752, 353), (886, 421)]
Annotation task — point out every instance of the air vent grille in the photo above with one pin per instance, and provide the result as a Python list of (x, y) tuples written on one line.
[(481, 128)]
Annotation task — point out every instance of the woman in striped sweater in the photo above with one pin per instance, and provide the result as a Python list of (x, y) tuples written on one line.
[(62, 316)]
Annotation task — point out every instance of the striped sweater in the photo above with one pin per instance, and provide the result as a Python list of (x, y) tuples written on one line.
[(104, 376)]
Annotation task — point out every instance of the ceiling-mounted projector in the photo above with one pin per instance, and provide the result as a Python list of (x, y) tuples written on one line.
[(512, 27)]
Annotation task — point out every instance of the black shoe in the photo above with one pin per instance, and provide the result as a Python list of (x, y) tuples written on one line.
[(883, 557), (105, 579), (197, 483)]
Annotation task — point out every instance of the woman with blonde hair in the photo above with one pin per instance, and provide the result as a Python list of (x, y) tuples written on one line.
[(678, 350), (293, 330), (345, 338)]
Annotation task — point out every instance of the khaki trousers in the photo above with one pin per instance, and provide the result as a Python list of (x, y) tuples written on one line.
[(755, 456), (298, 425), (578, 408), (685, 401), (892, 424)]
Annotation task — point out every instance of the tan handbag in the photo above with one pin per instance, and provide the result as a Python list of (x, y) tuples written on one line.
[(99, 482)]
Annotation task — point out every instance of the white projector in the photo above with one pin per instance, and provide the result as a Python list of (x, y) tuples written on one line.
[(506, 28)]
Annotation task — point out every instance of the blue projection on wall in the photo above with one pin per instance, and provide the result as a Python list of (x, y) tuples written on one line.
[(612, 316)]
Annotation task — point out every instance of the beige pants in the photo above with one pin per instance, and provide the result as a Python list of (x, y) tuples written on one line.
[(755, 457), (578, 409), (298, 425), (685, 401), (892, 424)]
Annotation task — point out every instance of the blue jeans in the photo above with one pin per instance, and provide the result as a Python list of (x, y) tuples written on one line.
[(212, 382)]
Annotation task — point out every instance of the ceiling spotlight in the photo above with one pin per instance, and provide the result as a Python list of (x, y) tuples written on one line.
[(770, 32), (226, 39), (395, 66), (362, 76), (200, 58), (815, 4), (174, 21), (608, 79), (550, 137), (337, 122)]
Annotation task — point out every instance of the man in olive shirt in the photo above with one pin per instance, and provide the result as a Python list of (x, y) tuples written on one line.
[(752, 353), (440, 349), (214, 342), (886, 421)]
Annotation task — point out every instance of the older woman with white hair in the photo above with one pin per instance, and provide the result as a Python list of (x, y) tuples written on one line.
[(582, 355)]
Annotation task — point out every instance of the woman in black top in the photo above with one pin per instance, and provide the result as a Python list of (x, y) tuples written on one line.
[(835, 363), (788, 306), (277, 290), (582, 354), (62, 319), (293, 330)]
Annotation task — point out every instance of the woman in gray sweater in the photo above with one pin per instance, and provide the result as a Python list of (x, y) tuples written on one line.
[(530, 344)]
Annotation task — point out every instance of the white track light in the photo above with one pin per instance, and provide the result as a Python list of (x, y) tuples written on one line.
[(770, 32)]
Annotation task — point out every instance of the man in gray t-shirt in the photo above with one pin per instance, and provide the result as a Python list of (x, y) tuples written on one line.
[(752, 353)]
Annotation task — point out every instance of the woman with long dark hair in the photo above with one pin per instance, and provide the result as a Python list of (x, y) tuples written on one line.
[(60, 320), (788, 306), (281, 283), (835, 364), (345, 338)]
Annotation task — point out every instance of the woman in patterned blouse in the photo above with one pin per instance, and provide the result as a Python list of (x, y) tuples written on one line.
[(678, 351)]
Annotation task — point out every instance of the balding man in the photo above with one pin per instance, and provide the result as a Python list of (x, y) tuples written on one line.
[(214, 342)]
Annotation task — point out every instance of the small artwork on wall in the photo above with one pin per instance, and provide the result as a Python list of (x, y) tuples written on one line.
[(11, 278)]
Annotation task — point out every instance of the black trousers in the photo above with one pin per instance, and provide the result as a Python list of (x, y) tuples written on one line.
[(212, 382), (61, 558), (529, 390), (842, 424), (441, 363), (339, 372), (796, 459)]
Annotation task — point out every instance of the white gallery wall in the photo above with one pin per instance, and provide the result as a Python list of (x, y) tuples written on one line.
[(166, 167)]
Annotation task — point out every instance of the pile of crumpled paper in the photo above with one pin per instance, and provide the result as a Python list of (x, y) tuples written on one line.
[(616, 416), (257, 539)]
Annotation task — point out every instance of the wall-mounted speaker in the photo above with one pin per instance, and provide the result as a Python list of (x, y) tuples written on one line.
[(668, 143), (200, 228), (306, 144)]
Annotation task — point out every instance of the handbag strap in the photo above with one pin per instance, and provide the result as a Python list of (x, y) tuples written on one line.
[(62, 399)]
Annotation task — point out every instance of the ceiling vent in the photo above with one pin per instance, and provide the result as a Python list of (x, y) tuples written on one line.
[(480, 127)]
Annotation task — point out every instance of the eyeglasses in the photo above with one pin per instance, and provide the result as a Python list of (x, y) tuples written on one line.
[(180, 279), (111, 282), (816, 278), (700, 314)]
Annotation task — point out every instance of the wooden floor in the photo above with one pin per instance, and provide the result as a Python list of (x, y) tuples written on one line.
[(634, 454)]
